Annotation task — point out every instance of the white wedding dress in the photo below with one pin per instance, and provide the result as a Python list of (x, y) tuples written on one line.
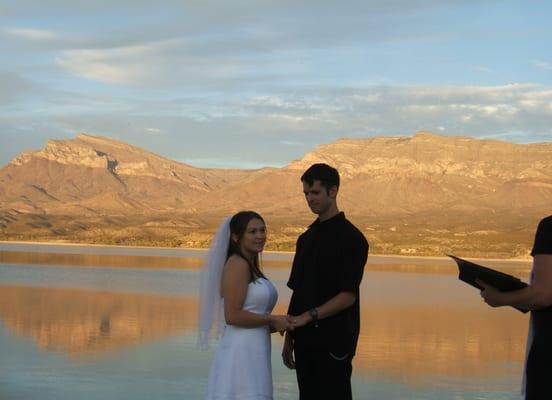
[(241, 368)]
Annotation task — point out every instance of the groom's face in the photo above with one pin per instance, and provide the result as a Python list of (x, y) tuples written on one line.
[(318, 197)]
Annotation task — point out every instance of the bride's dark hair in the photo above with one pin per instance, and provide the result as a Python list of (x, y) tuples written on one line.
[(238, 226)]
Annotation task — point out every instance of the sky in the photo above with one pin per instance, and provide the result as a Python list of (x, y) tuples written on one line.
[(253, 83)]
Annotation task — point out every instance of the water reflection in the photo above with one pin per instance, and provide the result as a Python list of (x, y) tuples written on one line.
[(448, 267), (421, 327), (185, 261), (95, 260), (409, 342), (84, 321)]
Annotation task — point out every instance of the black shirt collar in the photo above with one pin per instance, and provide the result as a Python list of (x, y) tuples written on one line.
[(330, 221)]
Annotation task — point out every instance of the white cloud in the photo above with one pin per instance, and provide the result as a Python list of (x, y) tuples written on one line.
[(483, 69), (471, 110), (545, 95), (155, 131), (277, 78), (31, 34), (267, 130), (542, 64), (218, 162), (172, 63), (291, 143), (120, 66), (16, 88)]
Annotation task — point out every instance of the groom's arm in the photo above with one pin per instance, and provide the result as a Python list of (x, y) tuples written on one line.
[(335, 305), (287, 352), (347, 282)]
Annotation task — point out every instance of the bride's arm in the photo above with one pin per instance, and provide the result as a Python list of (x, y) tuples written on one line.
[(235, 279)]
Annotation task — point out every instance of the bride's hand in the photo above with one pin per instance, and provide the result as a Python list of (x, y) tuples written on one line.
[(279, 323)]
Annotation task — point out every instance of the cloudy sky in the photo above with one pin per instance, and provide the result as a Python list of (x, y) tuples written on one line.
[(252, 83)]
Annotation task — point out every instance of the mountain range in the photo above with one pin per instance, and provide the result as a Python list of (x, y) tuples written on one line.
[(425, 195)]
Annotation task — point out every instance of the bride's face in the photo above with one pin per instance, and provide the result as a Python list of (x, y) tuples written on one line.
[(254, 237)]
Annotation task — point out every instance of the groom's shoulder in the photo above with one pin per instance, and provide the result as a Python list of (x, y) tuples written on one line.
[(304, 234), (353, 233)]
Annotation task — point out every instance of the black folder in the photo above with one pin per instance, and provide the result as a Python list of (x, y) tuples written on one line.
[(469, 272)]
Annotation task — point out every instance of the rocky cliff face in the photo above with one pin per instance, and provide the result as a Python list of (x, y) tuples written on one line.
[(95, 174), (399, 189), (429, 155), (119, 158), (424, 173)]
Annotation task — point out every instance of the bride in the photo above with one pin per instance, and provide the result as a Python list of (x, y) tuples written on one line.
[(236, 296)]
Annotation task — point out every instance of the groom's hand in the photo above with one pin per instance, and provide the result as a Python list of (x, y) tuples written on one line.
[(287, 352), (279, 323), (300, 320)]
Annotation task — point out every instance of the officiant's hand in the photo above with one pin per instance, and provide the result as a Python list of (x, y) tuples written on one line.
[(491, 295)]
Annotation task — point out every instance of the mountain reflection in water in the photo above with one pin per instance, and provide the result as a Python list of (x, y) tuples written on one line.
[(413, 341), (402, 335), (85, 321), (423, 331), (95, 260)]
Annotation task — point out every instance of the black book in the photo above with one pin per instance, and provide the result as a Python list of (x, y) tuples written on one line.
[(469, 272)]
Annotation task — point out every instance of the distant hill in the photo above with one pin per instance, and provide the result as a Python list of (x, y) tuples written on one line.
[(427, 194), (91, 175)]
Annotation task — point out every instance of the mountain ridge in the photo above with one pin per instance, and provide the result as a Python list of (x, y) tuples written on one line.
[(423, 194)]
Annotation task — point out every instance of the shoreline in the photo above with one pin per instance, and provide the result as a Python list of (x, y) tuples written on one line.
[(379, 257), (72, 244)]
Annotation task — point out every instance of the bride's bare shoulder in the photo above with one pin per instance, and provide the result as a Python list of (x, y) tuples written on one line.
[(236, 262)]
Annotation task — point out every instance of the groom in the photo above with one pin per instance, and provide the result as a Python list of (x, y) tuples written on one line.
[(324, 308)]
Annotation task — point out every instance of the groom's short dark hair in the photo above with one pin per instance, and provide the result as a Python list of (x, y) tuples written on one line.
[(327, 175)]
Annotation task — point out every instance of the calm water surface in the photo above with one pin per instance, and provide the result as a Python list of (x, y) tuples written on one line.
[(83, 322)]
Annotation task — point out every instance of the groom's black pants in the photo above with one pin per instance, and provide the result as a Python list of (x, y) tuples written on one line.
[(322, 375)]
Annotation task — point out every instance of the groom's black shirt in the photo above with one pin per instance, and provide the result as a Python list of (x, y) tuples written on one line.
[(329, 258)]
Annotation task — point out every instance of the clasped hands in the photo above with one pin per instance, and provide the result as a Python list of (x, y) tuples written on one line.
[(283, 323)]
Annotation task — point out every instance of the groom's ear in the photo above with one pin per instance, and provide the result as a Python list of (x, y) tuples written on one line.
[(333, 191)]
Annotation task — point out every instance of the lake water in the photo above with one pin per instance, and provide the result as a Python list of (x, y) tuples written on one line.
[(91, 322)]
